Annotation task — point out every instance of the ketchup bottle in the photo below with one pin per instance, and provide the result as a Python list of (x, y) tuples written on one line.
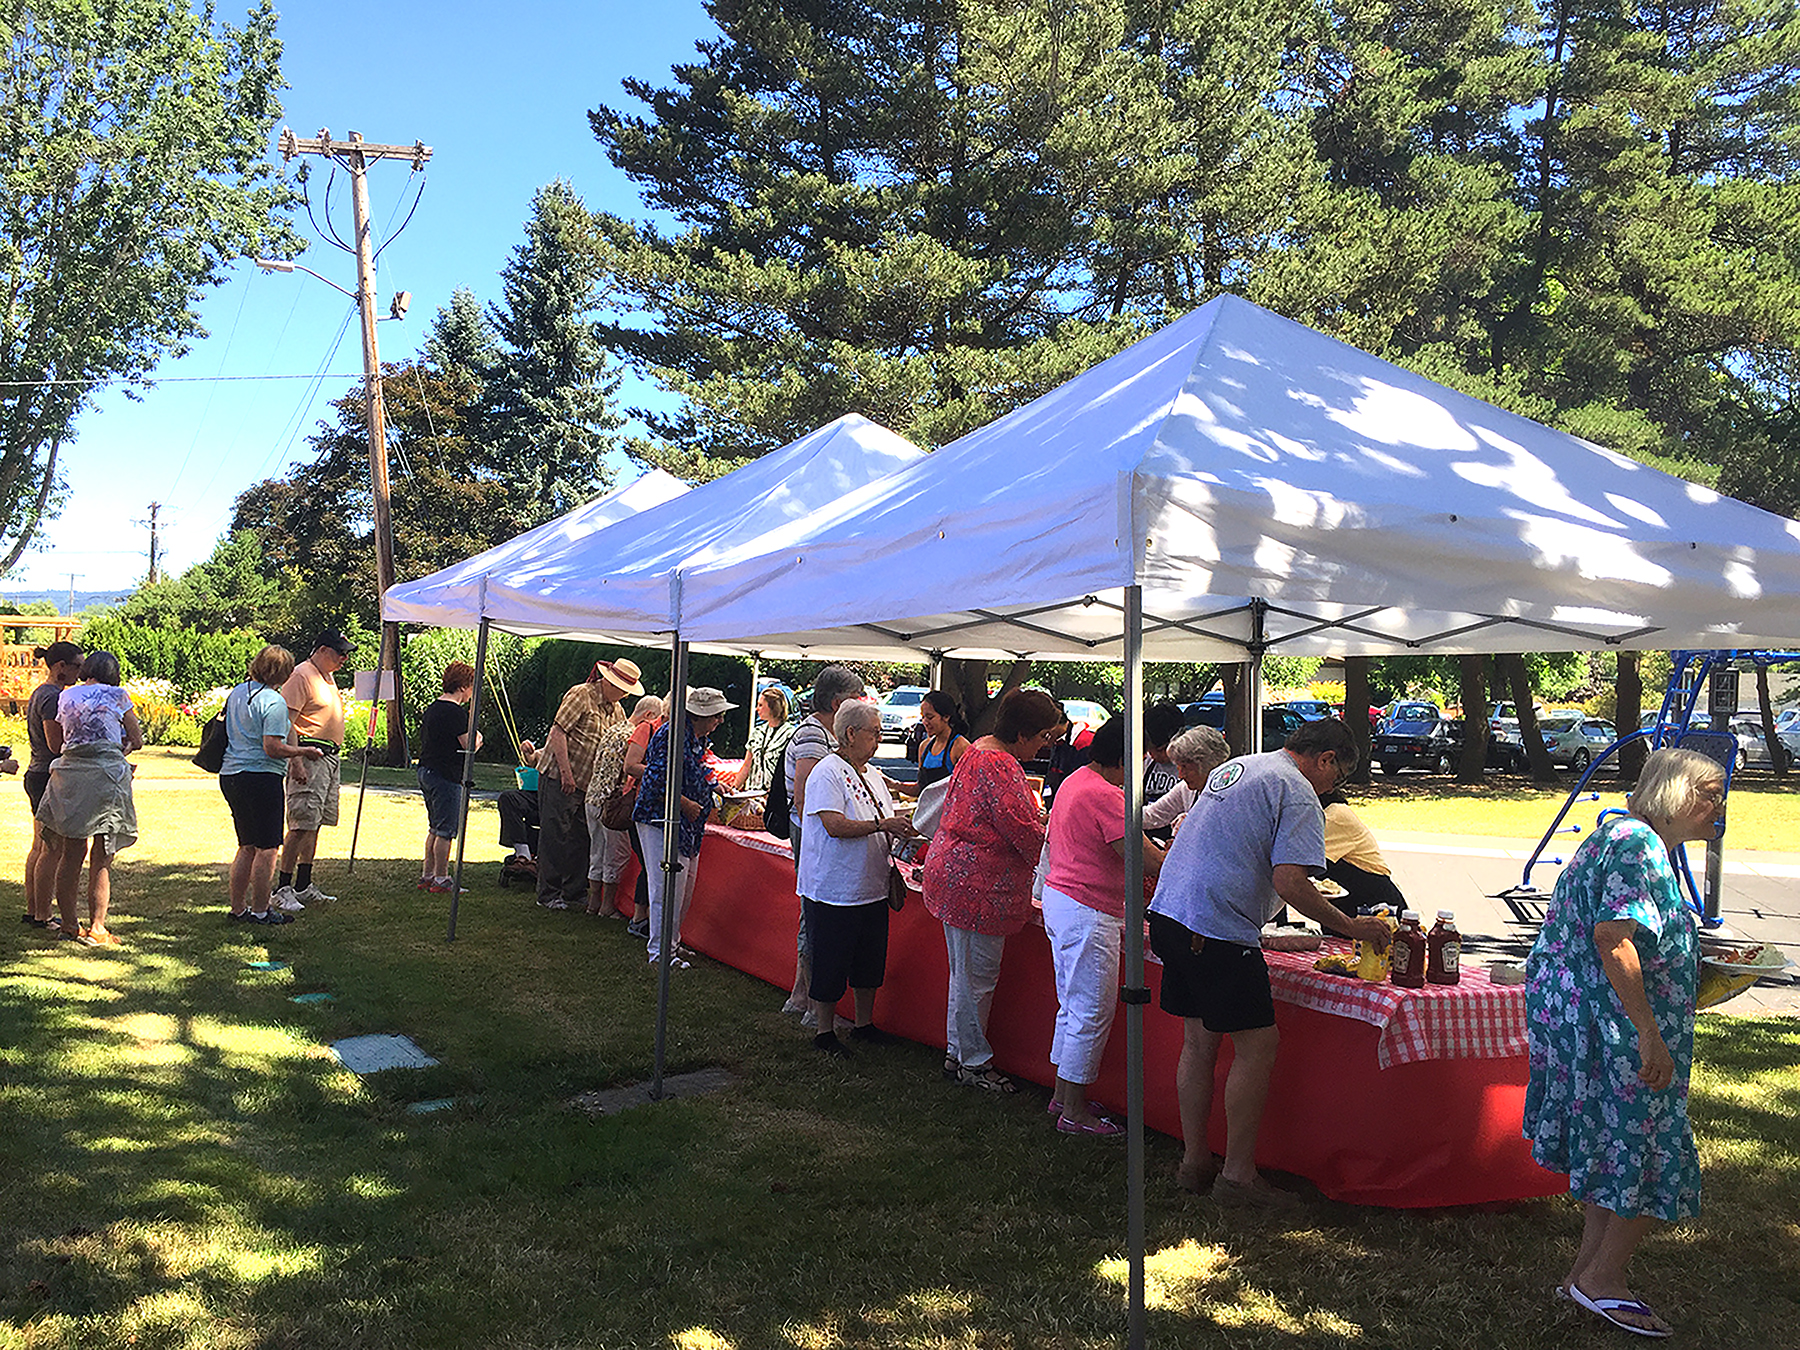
[(1409, 952), (1443, 950)]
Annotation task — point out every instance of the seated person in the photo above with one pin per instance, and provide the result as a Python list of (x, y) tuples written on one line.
[(519, 818)]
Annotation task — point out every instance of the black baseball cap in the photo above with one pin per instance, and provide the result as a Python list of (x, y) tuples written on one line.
[(334, 640)]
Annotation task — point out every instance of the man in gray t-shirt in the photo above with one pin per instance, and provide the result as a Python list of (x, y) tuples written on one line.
[(1252, 842)]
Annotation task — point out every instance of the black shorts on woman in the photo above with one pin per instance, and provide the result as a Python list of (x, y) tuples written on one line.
[(257, 802)]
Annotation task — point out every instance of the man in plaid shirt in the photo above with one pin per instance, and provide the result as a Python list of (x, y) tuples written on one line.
[(564, 767)]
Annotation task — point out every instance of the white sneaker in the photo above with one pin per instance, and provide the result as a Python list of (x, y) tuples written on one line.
[(314, 896), (286, 899)]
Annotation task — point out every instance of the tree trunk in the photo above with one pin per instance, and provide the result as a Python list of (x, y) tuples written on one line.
[(1778, 755), (1628, 710), (966, 681), (1518, 684), (1231, 684), (1473, 670), (1356, 713)]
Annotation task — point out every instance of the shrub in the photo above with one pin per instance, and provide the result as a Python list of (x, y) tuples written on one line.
[(188, 660)]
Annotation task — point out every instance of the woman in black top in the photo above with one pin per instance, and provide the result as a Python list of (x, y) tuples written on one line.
[(944, 741), (443, 738)]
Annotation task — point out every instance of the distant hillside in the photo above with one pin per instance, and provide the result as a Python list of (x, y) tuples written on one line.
[(84, 600)]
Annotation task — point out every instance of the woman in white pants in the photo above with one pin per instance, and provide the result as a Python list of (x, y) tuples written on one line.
[(977, 880), (706, 708), (1084, 912)]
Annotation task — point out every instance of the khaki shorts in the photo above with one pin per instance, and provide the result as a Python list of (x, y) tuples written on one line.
[(313, 804)]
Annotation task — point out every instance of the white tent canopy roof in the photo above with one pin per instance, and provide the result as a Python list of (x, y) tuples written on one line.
[(450, 598), (1245, 471), (617, 584)]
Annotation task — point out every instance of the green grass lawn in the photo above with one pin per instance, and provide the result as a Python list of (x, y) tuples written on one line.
[(182, 1163), (1762, 813)]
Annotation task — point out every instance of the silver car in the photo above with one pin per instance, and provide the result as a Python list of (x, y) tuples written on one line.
[(900, 709), (1575, 740)]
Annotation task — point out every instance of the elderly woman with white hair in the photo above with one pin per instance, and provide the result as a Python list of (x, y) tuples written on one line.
[(843, 876), (1195, 753), (1609, 1000)]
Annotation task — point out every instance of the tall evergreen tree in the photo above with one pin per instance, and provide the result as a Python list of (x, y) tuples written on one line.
[(547, 419), (869, 217)]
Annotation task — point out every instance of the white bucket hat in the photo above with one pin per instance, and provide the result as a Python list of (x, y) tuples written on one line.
[(706, 702)]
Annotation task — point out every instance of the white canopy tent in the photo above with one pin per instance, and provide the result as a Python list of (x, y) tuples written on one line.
[(616, 584), (449, 598), (1236, 483), (1268, 488)]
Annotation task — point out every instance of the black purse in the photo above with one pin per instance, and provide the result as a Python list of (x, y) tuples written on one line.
[(213, 742)]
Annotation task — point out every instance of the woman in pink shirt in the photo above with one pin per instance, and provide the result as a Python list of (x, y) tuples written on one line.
[(977, 879), (1084, 911)]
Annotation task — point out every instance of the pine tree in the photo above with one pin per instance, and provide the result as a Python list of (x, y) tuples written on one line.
[(547, 419)]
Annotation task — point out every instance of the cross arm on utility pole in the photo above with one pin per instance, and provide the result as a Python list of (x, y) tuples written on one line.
[(322, 144)]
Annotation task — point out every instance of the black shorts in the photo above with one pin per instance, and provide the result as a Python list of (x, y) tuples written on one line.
[(36, 780), (257, 801), (1223, 984), (849, 947)]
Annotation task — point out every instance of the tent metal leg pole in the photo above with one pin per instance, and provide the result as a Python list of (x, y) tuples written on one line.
[(936, 678), (1253, 682), (1134, 994), (362, 785), (750, 703), (670, 861), (468, 775)]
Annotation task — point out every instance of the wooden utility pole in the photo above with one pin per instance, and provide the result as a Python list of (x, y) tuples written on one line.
[(154, 508), (355, 155)]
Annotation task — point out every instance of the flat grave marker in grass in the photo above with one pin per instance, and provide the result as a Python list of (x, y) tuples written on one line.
[(373, 1054)]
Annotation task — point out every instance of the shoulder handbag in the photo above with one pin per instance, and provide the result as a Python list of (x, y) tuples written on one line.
[(615, 811), (896, 879), (777, 813), (213, 741)]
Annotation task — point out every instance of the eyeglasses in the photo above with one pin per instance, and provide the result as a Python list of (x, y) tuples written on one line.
[(1715, 795)]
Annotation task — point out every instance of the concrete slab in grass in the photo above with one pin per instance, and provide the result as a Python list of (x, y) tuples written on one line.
[(611, 1101), (372, 1054)]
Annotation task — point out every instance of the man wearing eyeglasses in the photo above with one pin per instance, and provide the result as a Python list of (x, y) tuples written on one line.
[(1252, 842)]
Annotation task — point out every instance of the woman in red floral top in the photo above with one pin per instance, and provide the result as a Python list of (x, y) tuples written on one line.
[(978, 873)]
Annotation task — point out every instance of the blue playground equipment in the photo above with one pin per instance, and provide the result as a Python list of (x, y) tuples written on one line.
[(1674, 726)]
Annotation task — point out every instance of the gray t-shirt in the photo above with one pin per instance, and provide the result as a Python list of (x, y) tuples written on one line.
[(39, 709), (811, 740), (1253, 815)]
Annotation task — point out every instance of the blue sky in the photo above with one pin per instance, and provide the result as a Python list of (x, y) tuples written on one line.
[(501, 94)]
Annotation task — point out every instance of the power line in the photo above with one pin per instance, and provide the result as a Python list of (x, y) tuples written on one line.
[(190, 379)]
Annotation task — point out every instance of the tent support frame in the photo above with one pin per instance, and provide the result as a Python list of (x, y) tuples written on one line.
[(1134, 993), (468, 772), (670, 862)]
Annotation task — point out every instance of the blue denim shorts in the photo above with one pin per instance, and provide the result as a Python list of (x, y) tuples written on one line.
[(443, 802)]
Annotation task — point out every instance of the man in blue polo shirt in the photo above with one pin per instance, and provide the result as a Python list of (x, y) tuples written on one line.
[(1252, 842)]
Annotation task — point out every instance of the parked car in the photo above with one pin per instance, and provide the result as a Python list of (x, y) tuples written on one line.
[(1278, 722), (1414, 736), (1575, 740), (900, 709), (1312, 709), (1752, 748)]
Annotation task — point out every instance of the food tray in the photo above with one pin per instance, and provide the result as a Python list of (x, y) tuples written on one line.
[(1722, 980)]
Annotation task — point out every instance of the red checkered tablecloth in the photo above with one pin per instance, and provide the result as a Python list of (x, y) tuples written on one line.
[(1474, 1019)]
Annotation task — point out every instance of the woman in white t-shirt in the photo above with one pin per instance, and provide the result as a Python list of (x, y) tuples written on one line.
[(88, 796), (843, 876)]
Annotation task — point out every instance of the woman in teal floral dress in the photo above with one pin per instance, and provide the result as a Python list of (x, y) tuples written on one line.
[(1610, 1006)]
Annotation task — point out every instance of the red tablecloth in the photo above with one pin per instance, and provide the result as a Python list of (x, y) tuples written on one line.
[(1383, 1096)]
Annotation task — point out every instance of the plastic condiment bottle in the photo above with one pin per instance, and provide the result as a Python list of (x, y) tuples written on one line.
[(1408, 950), (1372, 965), (1443, 950)]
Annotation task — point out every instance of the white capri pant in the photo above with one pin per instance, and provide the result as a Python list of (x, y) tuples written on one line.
[(974, 971), (1084, 945), (608, 850), (663, 887)]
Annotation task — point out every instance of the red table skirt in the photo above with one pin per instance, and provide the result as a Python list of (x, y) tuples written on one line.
[(1434, 1132)]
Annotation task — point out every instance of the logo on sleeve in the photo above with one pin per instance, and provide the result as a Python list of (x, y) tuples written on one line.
[(1224, 776)]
